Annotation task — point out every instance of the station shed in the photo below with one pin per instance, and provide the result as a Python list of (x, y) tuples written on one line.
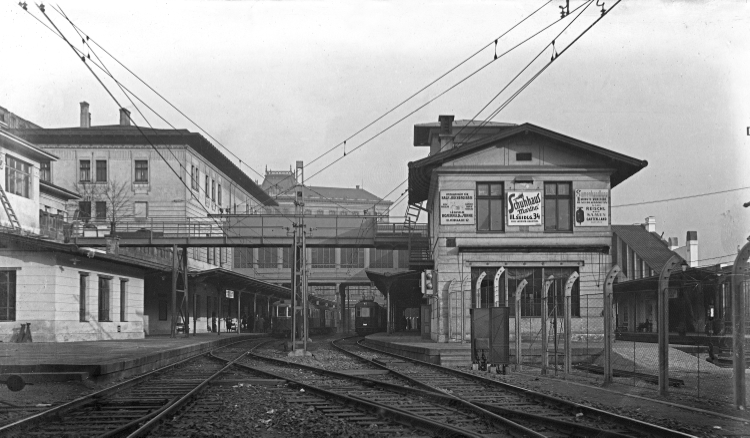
[(510, 203)]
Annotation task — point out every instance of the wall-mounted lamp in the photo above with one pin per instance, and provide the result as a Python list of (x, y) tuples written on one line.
[(684, 266)]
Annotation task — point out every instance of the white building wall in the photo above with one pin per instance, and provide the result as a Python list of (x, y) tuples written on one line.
[(47, 296)]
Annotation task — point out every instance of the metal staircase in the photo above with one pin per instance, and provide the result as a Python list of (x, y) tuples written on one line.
[(420, 255), (9, 210)]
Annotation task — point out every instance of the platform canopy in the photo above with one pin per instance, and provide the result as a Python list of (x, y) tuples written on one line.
[(401, 285), (241, 283)]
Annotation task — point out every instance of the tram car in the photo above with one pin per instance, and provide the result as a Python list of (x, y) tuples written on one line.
[(369, 317), (321, 317)]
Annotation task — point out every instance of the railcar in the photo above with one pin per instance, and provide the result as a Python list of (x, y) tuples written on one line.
[(369, 317), (321, 317)]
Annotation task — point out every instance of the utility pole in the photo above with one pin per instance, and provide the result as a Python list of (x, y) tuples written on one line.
[(300, 266)]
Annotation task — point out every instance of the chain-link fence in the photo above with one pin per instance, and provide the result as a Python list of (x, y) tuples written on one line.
[(700, 362), (586, 337)]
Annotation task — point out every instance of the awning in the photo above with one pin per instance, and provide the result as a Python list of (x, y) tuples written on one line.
[(393, 282), (225, 279)]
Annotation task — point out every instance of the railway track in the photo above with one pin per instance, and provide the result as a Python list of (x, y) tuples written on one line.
[(130, 408), (431, 411), (544, 414)]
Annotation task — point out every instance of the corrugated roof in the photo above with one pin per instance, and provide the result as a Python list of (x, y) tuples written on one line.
[(132, 135), (649, 246)]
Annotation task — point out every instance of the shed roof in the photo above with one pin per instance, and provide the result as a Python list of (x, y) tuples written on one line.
[(649, 246), (241, 282)]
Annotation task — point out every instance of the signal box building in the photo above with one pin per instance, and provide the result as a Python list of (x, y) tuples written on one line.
[(508, 203)]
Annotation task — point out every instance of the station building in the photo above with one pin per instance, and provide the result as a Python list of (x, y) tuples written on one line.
[(508, 203), (96, 180)]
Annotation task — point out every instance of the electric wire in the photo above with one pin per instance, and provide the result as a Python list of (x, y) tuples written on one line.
[(140, 130), (681, 197), (509, 100), (165, 99)]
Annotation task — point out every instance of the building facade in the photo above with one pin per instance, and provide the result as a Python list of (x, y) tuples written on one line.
[(119, 179), (512, 204), (129, 176)]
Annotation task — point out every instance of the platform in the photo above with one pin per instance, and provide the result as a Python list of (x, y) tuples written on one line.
[(411, 345), (105, 360)]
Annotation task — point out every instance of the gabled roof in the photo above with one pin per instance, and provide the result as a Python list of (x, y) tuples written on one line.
[(649, 246), (284, 180), (132, 135), (420, 171), (423, 132)]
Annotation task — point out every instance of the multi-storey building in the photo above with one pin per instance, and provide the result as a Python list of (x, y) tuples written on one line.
[(509, 203), (56, 291), (126, 178)]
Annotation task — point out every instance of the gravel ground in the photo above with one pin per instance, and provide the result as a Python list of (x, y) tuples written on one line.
[(256, 411), (39, 397), (293, 419)]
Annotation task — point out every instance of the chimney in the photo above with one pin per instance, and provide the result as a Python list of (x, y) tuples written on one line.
[(651, 224), (692, 248), (446, 132), (124, 117), (674, 243), (85, 115)]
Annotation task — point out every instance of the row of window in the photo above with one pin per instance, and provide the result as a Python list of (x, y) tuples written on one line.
[(268, 258), (100, 176), (140, 210), (558, 205), (211, 187), (104, 289)]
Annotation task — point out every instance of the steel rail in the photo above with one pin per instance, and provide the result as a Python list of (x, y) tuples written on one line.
[(637, 425), (389, 412), (573, 428), (153, 422), (430, 394), (57, 411)]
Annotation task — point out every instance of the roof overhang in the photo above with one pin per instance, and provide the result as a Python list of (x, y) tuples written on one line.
[(24, 148), (131, 135), (231, 280), (67, 248), (57, 191), (420, 171)]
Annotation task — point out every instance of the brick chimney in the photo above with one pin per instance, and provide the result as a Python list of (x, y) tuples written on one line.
[(124, 117), (650, 224), (446, 132), (692, 248), (85, 115)]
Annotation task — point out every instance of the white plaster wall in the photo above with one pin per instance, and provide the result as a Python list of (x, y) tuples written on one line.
[(47, 296)]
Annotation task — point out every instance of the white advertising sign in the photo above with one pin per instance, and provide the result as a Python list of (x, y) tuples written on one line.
[(230, 294), (524, 208), (457, 207), (592, 207)]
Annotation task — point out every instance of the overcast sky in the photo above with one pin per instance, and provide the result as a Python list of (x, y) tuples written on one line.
[(277, 82)]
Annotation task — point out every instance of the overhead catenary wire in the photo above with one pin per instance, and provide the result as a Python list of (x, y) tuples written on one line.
[(161, 96), (584, 6), (140, 130)]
